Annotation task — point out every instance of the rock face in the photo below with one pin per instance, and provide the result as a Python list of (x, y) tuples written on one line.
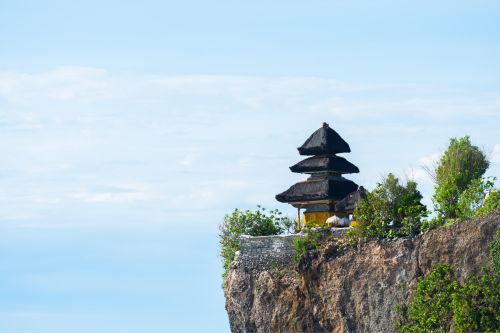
[(344, 289)]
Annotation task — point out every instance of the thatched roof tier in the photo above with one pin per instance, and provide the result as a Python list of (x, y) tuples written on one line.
[(318, 208), (334, 188), (324, 141), (349, 202), (325, 163)]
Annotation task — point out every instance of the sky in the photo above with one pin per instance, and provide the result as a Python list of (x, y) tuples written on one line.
[(128, 129)]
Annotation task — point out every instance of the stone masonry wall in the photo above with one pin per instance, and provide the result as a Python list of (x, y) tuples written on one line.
[(260, 253)]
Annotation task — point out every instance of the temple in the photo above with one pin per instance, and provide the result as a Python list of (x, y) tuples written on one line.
[(325, 193)]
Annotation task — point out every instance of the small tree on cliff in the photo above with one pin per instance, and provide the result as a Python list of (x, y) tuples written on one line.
[(461, 165)]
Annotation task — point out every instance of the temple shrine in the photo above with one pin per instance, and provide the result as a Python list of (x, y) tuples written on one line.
[(325, 192)]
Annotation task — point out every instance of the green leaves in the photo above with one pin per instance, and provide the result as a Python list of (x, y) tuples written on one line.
[(476, 304), (392, 209), (461, 165), (308, 241), (440, 302), (495, 252), (491, 203), (254, 223)]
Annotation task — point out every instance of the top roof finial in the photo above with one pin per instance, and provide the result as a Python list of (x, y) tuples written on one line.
[(325, 125)]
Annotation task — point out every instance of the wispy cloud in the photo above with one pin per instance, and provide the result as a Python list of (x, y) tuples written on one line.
[(495, 155), (78, 139)]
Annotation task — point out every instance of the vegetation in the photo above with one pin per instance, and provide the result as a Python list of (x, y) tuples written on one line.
[(476, 305), (429, 309), (491, 203), (460, 168), (495, 252), (307, 242), (392, 209), (254, 223), (441, 302)]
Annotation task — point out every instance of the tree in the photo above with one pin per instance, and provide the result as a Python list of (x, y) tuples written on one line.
[(391, 209), (256, 223), (460, 165)]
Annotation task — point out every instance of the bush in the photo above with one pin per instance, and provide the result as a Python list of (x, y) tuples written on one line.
[(495, 252), (308, 241), (256, 223), (473, 197), (476, 305), (390, 210), (491, 204), (460, 165), (440, 302), (429, 309)]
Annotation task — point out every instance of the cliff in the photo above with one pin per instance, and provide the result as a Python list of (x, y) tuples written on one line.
[(339, 288)]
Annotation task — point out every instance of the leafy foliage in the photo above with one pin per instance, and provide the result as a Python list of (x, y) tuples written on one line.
[(473, 197), (392, 209), (430, 307), (308, 241), (253, 223), (476, 305), (461, 164), (491, 204), (495, 252), (441, 302)]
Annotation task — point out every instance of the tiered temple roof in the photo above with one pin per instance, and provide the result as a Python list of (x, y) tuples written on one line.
[(325, 191), (328, 163), (324, 141)]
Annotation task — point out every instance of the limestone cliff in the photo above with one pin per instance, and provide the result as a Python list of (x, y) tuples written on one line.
[(340, 288)]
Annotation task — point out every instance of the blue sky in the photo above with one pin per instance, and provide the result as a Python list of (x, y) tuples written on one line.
[(128, 129)]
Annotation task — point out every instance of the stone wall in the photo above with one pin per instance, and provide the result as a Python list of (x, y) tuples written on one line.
[(260, 253)]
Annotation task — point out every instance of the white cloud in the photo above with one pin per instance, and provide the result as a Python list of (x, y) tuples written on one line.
[(216, 141), (109, 197), (189, 159), (495, 155), (63, 83), (429, 160), (426, 164), (123, 192)]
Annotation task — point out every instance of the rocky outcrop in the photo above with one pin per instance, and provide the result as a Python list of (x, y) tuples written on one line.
[(339, 288)]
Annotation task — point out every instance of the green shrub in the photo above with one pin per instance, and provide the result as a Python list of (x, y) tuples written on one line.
[(308, 241), (476, 305), (440, 302), (473, 197), (491, 204), (495, 252), (253, 223), (460, 165), (392, 209), (429, 309)]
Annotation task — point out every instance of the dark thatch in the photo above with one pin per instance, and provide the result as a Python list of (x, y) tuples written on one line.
[(349, 202), (319, 208), (334, 188), (325, 163), (324, 141)]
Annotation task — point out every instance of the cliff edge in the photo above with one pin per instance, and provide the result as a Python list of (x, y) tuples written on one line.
[(339, 288)]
